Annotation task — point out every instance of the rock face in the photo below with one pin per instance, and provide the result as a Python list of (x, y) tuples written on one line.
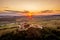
[(30, 30), (26, 26)]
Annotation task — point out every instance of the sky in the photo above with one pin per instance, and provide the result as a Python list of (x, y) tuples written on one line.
[(30, 5)]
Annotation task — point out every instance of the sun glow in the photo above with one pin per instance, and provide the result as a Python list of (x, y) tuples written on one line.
[(30, 7), (29, 15)]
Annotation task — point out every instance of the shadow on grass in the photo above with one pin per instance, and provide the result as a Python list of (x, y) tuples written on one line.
[(32, 34)]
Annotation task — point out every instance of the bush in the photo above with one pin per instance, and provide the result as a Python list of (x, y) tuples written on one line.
[(31, 34)]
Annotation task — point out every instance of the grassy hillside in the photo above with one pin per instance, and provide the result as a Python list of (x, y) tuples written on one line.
[(50, 31), (31, 34)]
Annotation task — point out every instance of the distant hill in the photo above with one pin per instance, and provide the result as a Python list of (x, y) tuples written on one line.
[(44, 17), (47, 17)]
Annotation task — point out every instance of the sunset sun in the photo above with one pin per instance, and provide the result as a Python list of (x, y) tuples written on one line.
[(29, 15)]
